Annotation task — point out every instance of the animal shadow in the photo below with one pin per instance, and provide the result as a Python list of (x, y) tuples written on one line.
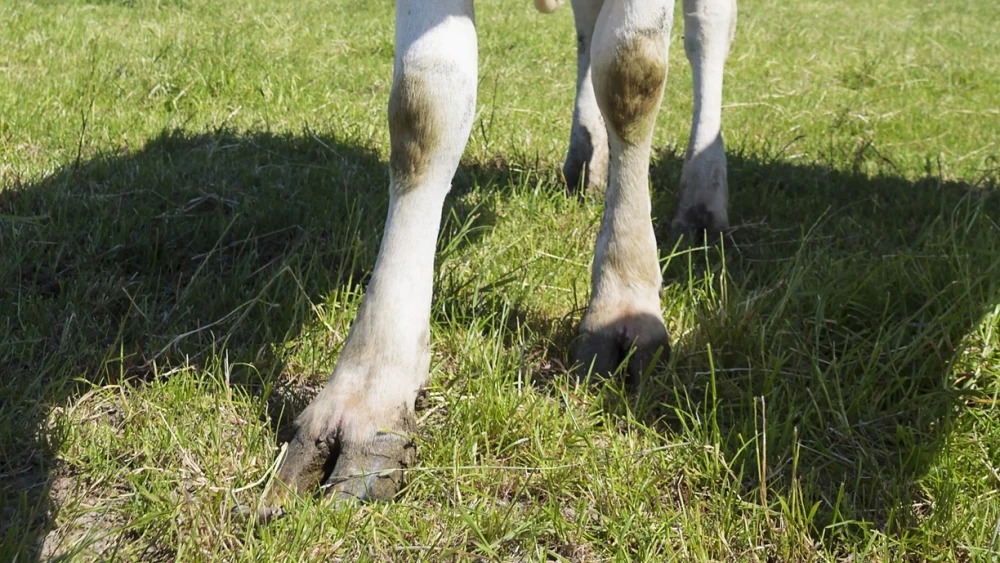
[(841, 340), (119, 267)]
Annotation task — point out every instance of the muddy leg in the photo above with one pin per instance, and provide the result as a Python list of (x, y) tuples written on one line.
[(623, 320), (357, 432)]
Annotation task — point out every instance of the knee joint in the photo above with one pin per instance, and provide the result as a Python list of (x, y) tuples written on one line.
[(630, 84), (414, 129)]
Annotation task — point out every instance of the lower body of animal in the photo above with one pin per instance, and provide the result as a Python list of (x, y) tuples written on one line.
[(355, 436)]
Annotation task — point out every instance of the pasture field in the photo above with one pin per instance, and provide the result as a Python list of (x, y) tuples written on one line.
[(191, 196)]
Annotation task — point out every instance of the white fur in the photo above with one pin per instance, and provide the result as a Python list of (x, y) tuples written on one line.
[(626, 272), (386, 357), (708, 32)]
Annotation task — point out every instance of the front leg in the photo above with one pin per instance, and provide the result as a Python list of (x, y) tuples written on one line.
[(357, 431), (623, 320)]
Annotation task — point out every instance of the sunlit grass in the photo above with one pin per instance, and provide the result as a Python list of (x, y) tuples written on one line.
[(191, 196)]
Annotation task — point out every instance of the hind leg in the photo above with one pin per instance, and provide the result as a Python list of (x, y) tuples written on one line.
[(629, 62), (586, 165), (357, 430), (709, 26)]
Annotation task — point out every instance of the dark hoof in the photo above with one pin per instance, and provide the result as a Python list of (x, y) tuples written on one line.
[(345, 470), (372, 471), (697, 225), (638, 341)]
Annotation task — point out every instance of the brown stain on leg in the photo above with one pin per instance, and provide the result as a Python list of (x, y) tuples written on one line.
[(414, 131), (633, 86)]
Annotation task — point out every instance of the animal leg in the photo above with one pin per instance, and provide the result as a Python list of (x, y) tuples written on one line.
[(709, 26), (356, 433), (623, 320), (587, 157)]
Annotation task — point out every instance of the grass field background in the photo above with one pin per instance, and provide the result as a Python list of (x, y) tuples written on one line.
[(191, 196)]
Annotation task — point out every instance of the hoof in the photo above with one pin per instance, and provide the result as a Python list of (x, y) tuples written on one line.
[(699, 225), (365, 470), (371, 471), (638, 341)]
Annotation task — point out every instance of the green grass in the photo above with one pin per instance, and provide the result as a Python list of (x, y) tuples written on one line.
[(191, 195)]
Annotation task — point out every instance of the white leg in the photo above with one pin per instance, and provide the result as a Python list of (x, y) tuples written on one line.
[(359, 424), (709, 26), (587, 157), (629, 60)]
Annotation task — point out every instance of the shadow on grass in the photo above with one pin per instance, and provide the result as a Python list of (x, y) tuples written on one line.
[(846, 334), (846, 310), (126, 265)]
